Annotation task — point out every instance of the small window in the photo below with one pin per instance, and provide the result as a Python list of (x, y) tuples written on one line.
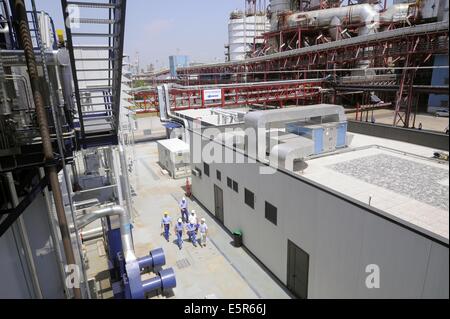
[(235, 186), (229, 182), (219, 175), (271, 213), (206, 169), (249, 198)]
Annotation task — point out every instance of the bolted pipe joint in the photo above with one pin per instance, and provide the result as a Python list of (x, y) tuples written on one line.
[(135, 288), (164, 281), (154, 259)]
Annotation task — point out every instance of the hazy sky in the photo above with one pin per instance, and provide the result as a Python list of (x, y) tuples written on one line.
[(159, 28)]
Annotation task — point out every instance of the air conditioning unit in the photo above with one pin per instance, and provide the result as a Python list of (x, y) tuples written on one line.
[(196, 172)]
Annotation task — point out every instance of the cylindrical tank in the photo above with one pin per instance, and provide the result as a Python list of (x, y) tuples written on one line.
[(242, 31), (277, 7)]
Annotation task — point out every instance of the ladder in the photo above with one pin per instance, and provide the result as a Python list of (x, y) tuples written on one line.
[(95, 39)]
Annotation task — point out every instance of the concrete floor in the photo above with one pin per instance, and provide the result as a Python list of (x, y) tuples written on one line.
[(216, 271)]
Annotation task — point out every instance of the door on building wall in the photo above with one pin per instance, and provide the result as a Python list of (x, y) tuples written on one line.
[(218, 200), (298, 269)]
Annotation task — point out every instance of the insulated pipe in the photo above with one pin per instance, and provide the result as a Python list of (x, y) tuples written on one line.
[(92, 234), (125, 227), (15, 58), (52, 174), (166, 113), (361, 13)]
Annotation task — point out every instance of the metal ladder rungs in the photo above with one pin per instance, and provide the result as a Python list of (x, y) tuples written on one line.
[(92, 47), (91, 21), (94, 70), (99, 96), (93, 80), (92, 5), (97, 112), (94, 59), (95, 118), (105, 88), (97, 104), (93, 35)]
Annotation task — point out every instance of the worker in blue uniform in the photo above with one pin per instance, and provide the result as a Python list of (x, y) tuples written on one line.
[(179, 230), (184, 209), (165, 225), (191, 230)]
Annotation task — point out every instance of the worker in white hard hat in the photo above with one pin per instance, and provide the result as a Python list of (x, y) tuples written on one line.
[(165, 225), (193, 220), (203, 229), (191, 231), (179, 230), (184, 210)]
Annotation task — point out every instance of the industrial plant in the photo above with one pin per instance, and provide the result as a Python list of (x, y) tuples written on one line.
[(311, 161)]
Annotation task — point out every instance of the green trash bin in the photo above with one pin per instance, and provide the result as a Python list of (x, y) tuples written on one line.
[(237, 238)]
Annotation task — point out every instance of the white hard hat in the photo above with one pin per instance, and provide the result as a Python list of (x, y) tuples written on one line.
[(203, 220), (193, 212), (184, 199), (180, 220)]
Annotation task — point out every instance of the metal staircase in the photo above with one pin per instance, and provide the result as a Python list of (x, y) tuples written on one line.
[(95, 39)]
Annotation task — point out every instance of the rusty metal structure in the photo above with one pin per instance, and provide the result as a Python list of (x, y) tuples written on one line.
[(237, 95), (362, 45)]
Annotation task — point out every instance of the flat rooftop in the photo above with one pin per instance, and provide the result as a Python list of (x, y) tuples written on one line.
[(400, 179), (209, 117)]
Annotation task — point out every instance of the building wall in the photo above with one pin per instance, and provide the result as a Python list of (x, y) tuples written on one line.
[(14, 275), (340, 237)]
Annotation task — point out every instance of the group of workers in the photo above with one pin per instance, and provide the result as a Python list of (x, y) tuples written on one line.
[(188, 222)]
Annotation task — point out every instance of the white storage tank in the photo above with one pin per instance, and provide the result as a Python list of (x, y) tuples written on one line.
[(242, 31), (174, 156)]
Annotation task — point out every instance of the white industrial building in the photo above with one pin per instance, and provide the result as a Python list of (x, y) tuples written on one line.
[(320, 225)]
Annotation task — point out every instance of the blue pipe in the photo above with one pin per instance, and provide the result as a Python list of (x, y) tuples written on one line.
[(155, 258), (165, 280)]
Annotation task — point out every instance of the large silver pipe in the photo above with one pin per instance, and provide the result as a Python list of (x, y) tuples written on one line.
[(92, 234), (166, 113), (17, 57), (24, 239), (125, 227), (361, 13)]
